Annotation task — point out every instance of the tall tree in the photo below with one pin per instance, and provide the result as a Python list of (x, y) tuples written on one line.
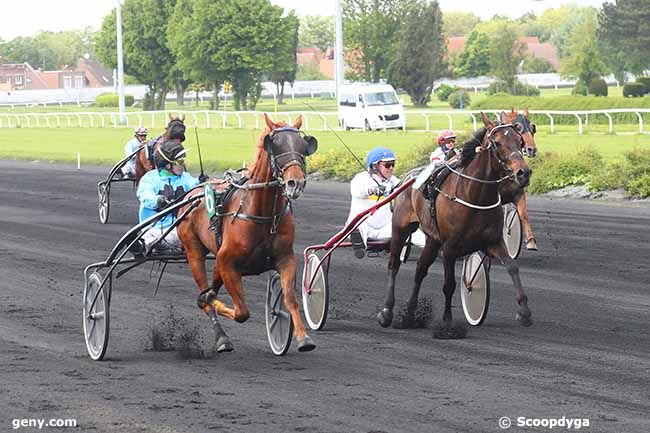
[(420, 51), (370, 28), (147, 56), (584, 59), (316, 31), (506, 52), (285, 65), (459, 23), (474, 60), (625, 32)]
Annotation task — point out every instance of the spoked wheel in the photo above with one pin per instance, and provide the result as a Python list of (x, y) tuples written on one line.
[(316, 301), (96, 317), (279, 326), (103, 190), (512, 233), (475, 289)]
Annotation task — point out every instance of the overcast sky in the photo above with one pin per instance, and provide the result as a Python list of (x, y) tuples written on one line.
[(27, 17)]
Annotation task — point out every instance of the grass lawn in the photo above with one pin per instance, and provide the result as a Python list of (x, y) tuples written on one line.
[(229, 148)]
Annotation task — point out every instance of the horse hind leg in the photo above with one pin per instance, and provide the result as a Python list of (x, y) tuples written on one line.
[(499, 252), (287, 270), (446, 330)]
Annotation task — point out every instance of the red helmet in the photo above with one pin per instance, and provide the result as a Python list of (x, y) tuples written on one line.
[(446, 134), (140, 130)]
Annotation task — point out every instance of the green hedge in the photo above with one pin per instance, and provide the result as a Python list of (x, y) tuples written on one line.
[(634, 90), (112, 100), (455, 97), (502, 101)]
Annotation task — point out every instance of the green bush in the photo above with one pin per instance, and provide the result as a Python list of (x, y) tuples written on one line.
[(455, 98), (634, 90), (112, 100), (443, 91), (598, 87), (334, 164), (640, 186), (580, 89), (518, 88), (645, 81), (552, 171)]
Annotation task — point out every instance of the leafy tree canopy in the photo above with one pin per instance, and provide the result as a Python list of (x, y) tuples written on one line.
[(317, 31)]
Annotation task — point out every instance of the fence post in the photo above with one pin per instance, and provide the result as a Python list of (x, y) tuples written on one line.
[(473, 121), (451, 124), (207, 119), (611, 124), (304, 116), (579, 123), (426, 121), (640, 122), (552, 124)]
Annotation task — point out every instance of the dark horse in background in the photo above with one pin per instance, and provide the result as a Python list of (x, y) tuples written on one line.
[(175, 130), (511, 191), (468, 218), (258, 230)]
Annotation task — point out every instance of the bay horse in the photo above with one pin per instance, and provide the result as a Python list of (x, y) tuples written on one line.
[(468, 218), (175, 130), (511, 191), (258, 230)]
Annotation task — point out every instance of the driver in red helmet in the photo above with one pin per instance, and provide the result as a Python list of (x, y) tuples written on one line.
[(446, 141), (140, 137)]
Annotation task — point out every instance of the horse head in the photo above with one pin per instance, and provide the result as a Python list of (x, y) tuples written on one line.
[(287, 148), (176, 128), (505, 141), (524, 127)]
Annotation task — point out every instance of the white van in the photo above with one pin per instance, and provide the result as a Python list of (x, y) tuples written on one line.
[(370, 106)]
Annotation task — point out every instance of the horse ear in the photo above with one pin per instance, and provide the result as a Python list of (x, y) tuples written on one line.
[(269, 122), (298, 122), (312, 144), (182, 117), (503, 116), (170, 116), (512, 111), (526, 111), (486, 121)]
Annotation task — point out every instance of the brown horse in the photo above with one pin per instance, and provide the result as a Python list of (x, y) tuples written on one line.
[(468, 218), (511, 191), (258, 230), (175, 130)]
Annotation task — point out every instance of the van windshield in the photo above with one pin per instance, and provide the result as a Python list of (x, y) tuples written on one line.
[(381, 98)]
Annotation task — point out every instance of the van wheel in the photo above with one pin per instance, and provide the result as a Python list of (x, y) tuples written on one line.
[(367, 126)]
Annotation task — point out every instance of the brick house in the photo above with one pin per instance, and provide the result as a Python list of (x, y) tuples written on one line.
[(534, 48), (87, 73), (20, 76)]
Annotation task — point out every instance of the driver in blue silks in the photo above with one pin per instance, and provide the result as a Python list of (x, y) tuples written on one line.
[(158, 189)]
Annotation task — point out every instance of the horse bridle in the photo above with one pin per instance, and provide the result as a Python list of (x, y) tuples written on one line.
[(298, 158)]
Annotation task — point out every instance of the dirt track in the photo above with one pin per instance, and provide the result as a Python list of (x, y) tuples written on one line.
[(586, 356)]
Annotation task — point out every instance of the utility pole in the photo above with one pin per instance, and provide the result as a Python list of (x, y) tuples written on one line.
[(120, 64), (338, 52)]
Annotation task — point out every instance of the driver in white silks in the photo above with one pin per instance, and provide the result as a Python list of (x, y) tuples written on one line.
[(366, 189)]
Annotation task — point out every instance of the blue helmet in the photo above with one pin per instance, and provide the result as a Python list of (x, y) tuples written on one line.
[(379, 154)]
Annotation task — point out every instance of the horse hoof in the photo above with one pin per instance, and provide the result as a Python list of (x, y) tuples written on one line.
[(224, 345), (524, 319), (385, 317), (531, 245), (446, 331), (306, 345)]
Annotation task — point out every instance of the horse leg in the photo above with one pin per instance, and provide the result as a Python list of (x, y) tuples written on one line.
[(232, 280), (499, 252), (425, 261), (208, 296), (531, 242), (447, 331), (385, 315), (287, 269)]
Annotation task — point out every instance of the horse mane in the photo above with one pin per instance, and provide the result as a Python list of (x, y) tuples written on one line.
[(469, 148), (260, 159)]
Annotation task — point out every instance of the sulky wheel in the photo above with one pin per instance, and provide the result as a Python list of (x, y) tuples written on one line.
[(279, 326), (512, 233), (475, 289), (315, 302), (96, 317), (103, 190)]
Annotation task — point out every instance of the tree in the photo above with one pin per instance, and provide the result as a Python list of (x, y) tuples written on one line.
[(147, 56), (218, 40), (316, 31), (420, 51), (459, 23), (584, 59), (506, 52), (474, 60), (625, 33), (370, 27), (285, 64)]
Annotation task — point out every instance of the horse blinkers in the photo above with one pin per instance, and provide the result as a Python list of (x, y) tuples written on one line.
[(292, 171)]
